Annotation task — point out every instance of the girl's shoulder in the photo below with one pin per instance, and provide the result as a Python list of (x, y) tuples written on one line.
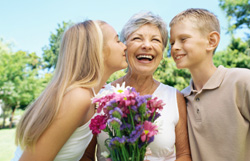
[(77, 98)]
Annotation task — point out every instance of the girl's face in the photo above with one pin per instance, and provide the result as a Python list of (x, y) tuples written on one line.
[(144, 49), (114, 50)]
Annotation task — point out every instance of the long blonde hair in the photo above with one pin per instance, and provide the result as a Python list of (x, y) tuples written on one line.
[(80, 64)]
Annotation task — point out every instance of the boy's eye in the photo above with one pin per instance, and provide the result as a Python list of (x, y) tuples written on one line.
[(183, 39)]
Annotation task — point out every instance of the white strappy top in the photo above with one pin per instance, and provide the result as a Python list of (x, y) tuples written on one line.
[(74, 148)]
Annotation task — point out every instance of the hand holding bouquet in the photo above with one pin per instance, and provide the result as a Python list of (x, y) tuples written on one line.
[(128, 119)]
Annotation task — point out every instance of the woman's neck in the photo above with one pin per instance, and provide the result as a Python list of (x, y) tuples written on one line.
[(144, 84)]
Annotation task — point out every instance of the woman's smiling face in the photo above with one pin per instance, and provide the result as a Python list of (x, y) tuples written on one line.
[(144, 49)]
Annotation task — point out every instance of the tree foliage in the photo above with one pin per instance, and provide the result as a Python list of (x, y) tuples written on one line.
[(20, 82), (238, 12), (51, 52), (236, 55), (169, 74)]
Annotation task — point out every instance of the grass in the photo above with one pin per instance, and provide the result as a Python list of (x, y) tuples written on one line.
[(7, 144), (7, 139)]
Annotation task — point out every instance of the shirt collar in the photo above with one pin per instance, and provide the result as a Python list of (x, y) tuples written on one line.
[(214, 82)]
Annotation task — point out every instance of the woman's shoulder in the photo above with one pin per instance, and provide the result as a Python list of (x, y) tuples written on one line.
[(167, 88)]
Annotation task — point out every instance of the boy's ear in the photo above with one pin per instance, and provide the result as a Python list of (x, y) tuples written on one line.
[(213, 39)]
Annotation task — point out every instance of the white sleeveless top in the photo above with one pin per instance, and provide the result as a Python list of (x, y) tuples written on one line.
[(163, 146), (73, 149)]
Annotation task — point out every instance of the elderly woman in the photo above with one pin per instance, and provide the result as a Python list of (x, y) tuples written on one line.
[(145, 35)]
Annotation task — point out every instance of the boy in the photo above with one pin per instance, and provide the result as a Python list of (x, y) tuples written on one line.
[(218, 99)]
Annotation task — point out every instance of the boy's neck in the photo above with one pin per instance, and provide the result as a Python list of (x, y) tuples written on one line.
[(200, 76)]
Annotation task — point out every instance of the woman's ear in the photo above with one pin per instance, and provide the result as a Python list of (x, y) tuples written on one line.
[(213, 39)]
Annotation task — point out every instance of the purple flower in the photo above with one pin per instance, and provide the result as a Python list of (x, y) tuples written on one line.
[(134, 108), (138, 117), (135, 134), (142, 99), (116, 112), (157, 114), (117, 141), (114, 122), (125, 126)]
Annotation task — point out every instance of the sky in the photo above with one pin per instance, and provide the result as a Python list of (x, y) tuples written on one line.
[(28, 24)]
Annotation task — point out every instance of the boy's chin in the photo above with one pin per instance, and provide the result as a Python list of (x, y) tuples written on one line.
[(180, 66)]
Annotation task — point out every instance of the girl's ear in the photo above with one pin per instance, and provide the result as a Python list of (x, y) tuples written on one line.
[(213, 39)]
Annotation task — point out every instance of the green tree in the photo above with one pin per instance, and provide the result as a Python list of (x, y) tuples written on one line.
[(238, 52), (51, 52), (169, 74), (236, 55), (20, 81), (238, 12)]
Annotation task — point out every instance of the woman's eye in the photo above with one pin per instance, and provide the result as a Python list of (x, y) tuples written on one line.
[(157, 40), (136, 38)]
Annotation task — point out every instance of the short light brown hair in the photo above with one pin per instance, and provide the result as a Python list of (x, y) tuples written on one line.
[(203, 19), (141, 18)]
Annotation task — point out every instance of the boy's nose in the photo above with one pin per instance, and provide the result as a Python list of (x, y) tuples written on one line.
[(175, 46)]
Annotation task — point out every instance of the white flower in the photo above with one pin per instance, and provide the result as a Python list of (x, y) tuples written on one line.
[(105, 154), (120, 89)]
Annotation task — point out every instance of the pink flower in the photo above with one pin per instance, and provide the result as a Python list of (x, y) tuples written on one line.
[(149, 131), (102, 101), (154, 104), (97, 124)]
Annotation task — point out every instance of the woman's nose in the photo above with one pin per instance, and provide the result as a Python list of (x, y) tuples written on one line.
[(147, 45)]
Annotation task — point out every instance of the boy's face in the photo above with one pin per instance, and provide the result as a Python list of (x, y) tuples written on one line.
[(188, 45)]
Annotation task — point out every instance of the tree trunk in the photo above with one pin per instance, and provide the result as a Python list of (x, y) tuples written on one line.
[(4, 117), (12, 116)]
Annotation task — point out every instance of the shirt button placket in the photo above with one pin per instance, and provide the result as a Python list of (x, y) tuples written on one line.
[(197, 112)]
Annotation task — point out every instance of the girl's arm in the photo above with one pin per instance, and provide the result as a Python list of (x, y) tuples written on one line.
[(74, 112)]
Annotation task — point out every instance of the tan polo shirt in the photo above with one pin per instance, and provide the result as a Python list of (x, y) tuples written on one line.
[(219, 116)]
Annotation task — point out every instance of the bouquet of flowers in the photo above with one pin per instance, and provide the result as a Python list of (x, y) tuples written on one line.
[(128, 118)]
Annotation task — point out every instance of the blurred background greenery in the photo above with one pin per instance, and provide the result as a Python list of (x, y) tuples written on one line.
[(24, 75)]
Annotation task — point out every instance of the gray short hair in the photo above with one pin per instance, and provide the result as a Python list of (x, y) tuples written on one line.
[(140, 19)]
